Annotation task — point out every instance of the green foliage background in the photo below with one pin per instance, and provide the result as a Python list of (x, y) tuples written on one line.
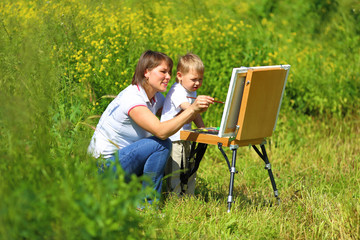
[(59, 60)]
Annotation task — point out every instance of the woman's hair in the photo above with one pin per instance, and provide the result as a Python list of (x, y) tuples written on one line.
[(190, 62), (149, 60)]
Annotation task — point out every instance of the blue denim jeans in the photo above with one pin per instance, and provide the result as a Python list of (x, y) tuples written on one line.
[(146, 157)]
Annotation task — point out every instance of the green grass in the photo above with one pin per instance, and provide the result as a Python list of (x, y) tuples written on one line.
[(58, 58), (318, 182)]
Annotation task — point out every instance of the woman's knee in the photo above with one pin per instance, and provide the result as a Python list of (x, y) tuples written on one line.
[(166, 144)]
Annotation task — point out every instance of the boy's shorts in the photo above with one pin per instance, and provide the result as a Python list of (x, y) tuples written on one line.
[(180, 152)]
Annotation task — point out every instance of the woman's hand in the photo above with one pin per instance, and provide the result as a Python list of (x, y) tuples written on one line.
[(202, 103)]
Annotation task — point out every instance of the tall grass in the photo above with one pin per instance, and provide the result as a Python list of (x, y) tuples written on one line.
[(58, 58)]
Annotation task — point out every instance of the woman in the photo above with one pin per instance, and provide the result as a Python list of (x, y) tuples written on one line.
[(129, 129)]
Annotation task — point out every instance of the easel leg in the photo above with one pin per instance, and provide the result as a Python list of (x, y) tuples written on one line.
[(224, 155), (232, 175), (265, 158)]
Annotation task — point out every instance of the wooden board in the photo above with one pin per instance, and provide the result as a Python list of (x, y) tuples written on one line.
[(214, 139), (261, 98)]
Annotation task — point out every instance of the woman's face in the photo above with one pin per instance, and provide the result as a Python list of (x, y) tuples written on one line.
[(159, 77)]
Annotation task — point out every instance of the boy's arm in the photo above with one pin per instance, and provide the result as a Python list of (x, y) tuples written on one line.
[(158, 113), (198, 121)]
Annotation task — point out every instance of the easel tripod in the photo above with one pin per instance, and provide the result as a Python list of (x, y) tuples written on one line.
[(233, 170)]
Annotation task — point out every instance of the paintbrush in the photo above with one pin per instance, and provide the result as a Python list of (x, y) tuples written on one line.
[(214, 100)]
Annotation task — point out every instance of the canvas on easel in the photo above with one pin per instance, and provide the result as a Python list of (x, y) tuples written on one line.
[(250, 113)]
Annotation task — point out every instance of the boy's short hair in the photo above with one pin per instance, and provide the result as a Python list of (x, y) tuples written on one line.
[(189, 62)]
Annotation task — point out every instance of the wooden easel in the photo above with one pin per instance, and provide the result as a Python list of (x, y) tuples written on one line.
[(250, 115)]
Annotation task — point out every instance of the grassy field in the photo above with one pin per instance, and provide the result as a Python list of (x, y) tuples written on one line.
[(317, 175), (59, 60)]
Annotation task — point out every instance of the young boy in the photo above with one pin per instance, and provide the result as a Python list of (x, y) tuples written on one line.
[(182, 94)]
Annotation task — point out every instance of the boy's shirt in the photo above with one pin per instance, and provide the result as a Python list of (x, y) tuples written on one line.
[(175, 97)]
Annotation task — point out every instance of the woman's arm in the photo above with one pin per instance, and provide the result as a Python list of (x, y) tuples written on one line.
[(197, 119), (149, 122)]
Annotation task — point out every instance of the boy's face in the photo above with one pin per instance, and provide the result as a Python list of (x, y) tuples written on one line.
[(191, 81)]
